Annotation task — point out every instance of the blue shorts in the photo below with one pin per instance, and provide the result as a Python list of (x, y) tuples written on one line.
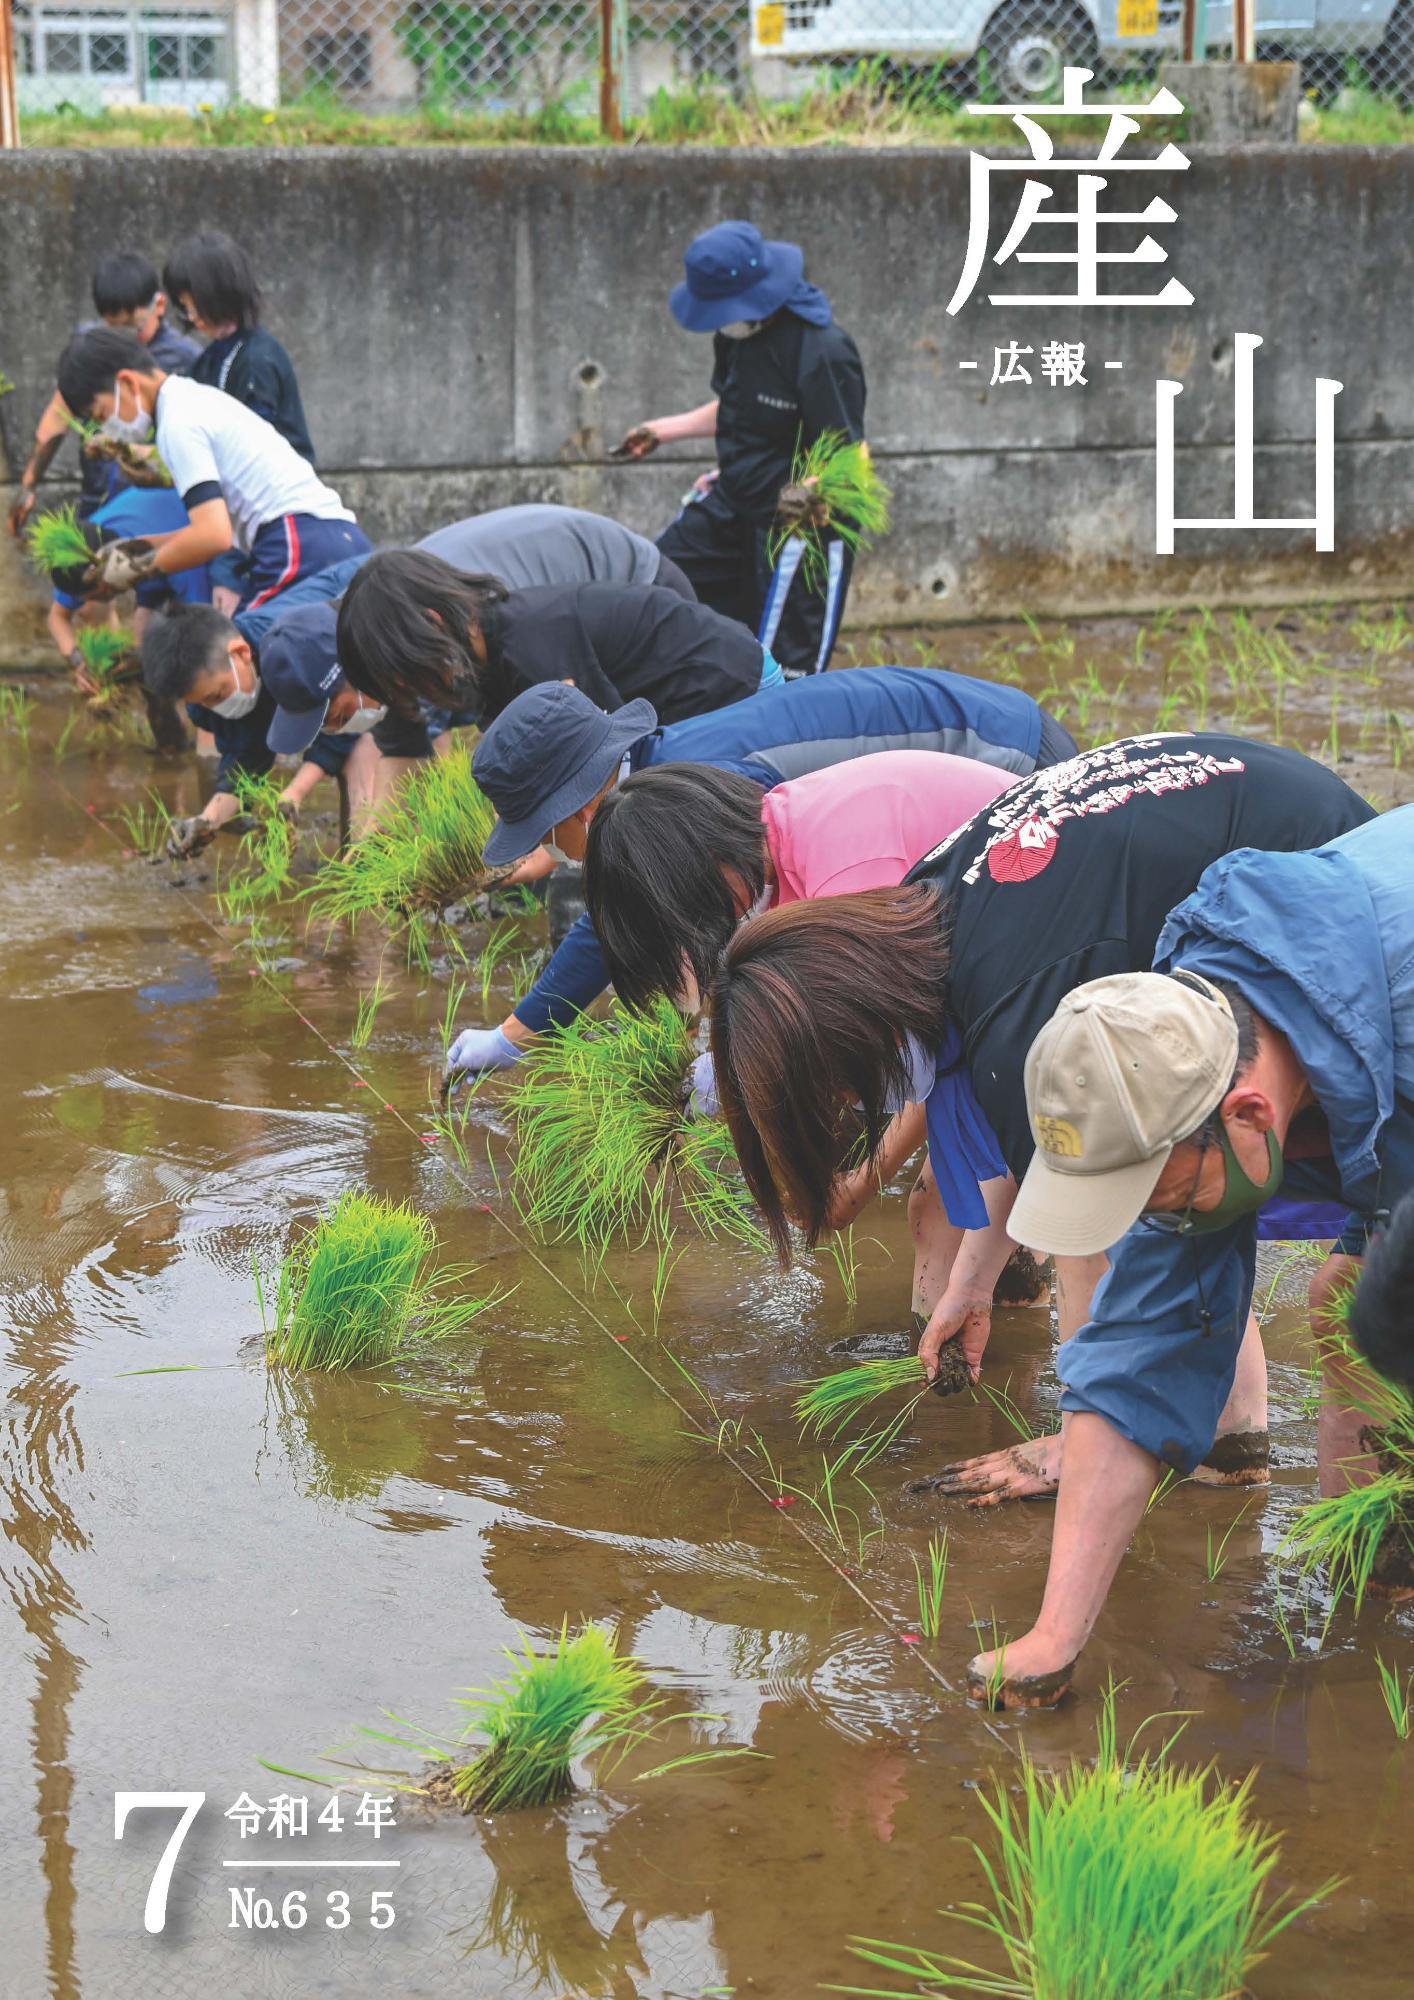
[(297, 545)]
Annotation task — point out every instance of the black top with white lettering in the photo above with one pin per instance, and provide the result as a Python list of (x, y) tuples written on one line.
[(778, 391), (1071, 873)]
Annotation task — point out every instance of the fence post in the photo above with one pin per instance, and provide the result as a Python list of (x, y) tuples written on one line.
[(613, 66), (1244, 31), (1195, 30), (9, 98)]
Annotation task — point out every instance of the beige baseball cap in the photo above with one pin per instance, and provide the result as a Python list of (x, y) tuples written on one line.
[(1124, 1068)]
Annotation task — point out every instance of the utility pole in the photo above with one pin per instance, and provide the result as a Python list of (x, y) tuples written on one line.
[(9, 96)]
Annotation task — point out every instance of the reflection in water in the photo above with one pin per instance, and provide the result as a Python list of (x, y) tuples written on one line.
[(345, 1436)]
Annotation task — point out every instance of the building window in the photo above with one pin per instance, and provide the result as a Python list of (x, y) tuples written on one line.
[(109, 55), (63, 52)]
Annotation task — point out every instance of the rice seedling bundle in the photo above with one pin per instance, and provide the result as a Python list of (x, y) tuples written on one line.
[(106, 650), (360, 1288), (427, 850), (827, 1407), (603, 1140), (265, 859), (835, 485), (1365, 1534), (57, 540), (583, 1699), (1126, 1879)]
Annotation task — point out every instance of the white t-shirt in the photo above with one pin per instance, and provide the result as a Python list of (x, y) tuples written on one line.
[(209, 440)]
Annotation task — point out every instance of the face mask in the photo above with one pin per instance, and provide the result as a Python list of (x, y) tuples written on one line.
[(361, 721), (127, 430), (238, 704), (922, 1067), (740, 329), (763, 902), (1241, 1195), (555, 851)]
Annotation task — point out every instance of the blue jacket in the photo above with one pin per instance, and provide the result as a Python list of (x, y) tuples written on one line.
[(1322, 945), (809, 725)]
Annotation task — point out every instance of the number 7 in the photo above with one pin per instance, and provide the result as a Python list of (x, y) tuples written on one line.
[(154, 1914)]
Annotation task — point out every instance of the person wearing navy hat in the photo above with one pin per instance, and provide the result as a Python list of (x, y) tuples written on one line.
[(784, 373)]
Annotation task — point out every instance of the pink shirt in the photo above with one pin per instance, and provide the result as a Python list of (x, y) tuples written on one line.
[(863, 824)]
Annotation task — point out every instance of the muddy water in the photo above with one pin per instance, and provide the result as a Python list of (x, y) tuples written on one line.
[(199, 1574)]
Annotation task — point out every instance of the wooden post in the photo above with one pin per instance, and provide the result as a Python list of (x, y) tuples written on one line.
[(613, 67), (1244, 31), (9, 96), (1195, 30)]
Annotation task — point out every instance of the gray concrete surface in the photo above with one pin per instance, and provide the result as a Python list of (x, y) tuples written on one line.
[(473, 328)]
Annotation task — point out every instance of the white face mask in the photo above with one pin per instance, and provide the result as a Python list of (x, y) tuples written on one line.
[(361, 721), (127, 430), (555, 851), (238, 703), (762, 903), (740, 329)]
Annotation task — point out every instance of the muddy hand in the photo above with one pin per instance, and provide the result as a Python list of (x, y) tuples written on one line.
[(1029, 1471), (118, 566), (641, 442), (960, 1325), (186, 837), (21, 509)]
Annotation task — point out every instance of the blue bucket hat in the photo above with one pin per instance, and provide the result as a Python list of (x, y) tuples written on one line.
[(734, 273), (549, 752), (299, 663)]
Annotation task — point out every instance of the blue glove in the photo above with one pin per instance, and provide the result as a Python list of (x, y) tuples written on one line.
[(482, 1048), (703, 1101)]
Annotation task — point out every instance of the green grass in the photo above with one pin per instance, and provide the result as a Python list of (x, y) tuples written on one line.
[(1128, 1878), (360, 1289), (834, 484), (264, 863), (56, 540), (585, 1699), (426, 851), (603, 1145)]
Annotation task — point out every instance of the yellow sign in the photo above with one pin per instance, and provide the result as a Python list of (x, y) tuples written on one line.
[(1139, 17), (771, 24)]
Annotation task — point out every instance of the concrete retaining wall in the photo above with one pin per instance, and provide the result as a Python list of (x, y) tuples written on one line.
[(474, 328)]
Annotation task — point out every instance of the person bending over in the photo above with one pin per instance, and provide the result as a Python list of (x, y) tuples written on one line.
[(933, 990), (242, 484), (412, 629), (1271, 1047), (550, 760), (195, 654)]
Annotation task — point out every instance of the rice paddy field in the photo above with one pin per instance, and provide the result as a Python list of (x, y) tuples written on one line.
[(217, 1562)]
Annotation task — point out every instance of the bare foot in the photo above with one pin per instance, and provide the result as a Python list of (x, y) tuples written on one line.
[(1029, 1471), (1021, 1675)]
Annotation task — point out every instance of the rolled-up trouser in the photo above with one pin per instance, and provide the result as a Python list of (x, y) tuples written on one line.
[(1056, 745)]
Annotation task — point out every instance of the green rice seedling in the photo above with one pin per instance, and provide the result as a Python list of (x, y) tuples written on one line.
[(1398, 1697), (1217, 1557), (146, 826), (360, 1289), (500, 943), (1345, 1535), (841, 1248), (828, 1406), (604, 1146), (834, 485), (456, 993), (931, 1587), (263, 868), (367, 1013), (585, 1699), (17, 713), (426, 852), (834, 1511), (1130, 1878), (61, 741), (57, 541), (107, 650)]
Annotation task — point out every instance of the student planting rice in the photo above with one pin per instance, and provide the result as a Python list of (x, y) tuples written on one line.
[(242, 484), (1271, 1047), (195, 655), (552, 758), (412, 629), (785, 375), (928, 991)]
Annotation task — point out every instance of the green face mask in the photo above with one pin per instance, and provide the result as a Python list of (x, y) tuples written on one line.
[(1241, 1194)]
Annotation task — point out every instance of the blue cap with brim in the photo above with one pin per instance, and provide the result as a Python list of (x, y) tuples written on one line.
[(300, 666), (548, 753), (734, 273)]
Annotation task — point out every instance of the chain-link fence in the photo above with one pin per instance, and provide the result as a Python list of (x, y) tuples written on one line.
[(534, 55)]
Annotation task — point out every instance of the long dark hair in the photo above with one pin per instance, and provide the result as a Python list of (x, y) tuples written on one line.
[(404, 634), (809, 1011), (653, 874), (215, 273)]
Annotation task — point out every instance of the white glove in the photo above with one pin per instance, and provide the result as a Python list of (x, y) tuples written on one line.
[(703, 1101), (482, 1048)]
